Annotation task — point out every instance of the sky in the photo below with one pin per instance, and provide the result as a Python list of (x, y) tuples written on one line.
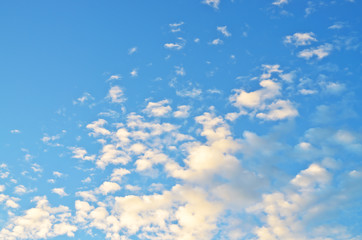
[(181, 119)]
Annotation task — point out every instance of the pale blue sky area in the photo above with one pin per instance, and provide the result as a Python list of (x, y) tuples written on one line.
[(182, 119)]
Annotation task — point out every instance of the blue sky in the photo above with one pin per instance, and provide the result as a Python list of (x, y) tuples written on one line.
[(212, 119)]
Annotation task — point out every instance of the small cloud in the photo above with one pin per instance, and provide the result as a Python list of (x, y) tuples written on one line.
[(175, 27), (81, 153), (212, 3), (116, 95), (176, 46), (47, 139), (134, 72), (336, 26), (196, 40), (158, 109), (320, 52), (36, 168), (180, 71), (133, 188), (193, 93), (108, 187), (333, 87), (280, 2), (307, 91), (114, 77), (84, 98), (87, 180), (132, 50), (60, 192), (300, 39), (224, 31), (57, 174), (15, 131), (20, 189), (216, 41), (182, 112)]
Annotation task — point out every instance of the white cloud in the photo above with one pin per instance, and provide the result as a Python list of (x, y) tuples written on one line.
[(57, 174), (134, 72), (84, 98), (114, 77), (15, 131), (212, 3), (175, 46), (132, 50), (182, 112), (116, 95), (97, 127), (175, 27), (193, 93), (180, 71), (118, 174), (256, 99), (278, 110), (337, 25), (158, 109), (60, 192), (320, 52), (300, 39), (224, 31), (108, 187), (40, 222), (311, 177), (20, 189), (112, 155), (307, 91), (81, 153), (216, 41), (280, 2)]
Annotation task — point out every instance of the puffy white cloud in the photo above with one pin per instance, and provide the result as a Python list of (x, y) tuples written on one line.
[(320, 52), (256, 99), (80, 153), (112, 155), (182, 111), (150, 158), (40, 222), (60, 192), (300, 39), (118, 173), (311, 176), (15, 131), (158, 109), (278, 110), (108, 187), (97, 127), (116, 94)]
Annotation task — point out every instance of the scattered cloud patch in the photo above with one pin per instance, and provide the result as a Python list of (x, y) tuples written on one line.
[(319, 52), (224, 31), (300, 39)]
